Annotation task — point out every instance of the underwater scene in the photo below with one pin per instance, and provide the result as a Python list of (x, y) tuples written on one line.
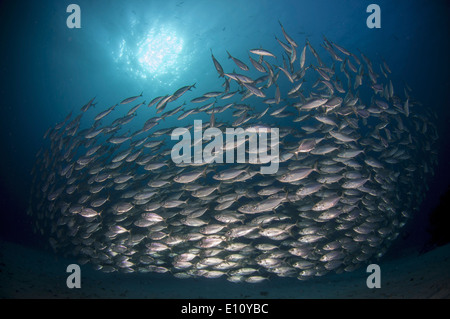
[(225, 150)]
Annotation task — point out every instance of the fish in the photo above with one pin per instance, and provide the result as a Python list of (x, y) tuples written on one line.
[(217, 65), (189, 176), (239, 77), (326, 203), (135, 108), (266, 205), (255, 90), (181, 91), (313, 103), (154, 101), (262, 52), (303, 58), (288, 75), (102, 114), (288, 38), (296, 174), (131, 99), (355, 158), (286, 47), (84, 108), (341, 49), (238, 62)]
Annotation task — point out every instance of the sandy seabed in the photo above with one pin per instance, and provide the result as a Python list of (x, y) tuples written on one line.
[(31, 273)]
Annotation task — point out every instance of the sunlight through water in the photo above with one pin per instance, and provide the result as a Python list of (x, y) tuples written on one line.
[(158, 55)]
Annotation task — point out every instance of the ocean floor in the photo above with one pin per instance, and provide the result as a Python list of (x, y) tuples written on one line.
[(31, 273)]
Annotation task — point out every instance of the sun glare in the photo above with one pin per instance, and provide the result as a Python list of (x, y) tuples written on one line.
[(158, 52), (155, 54)]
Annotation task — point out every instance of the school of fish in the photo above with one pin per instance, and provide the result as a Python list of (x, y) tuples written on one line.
[(355, 158)]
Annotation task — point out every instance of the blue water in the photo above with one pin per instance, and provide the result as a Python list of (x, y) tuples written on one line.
[(48, 70)]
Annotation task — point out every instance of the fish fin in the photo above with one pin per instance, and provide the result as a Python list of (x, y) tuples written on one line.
[(290, 232), (285, 198), (315, 167), (218, 188), (204, 172)]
